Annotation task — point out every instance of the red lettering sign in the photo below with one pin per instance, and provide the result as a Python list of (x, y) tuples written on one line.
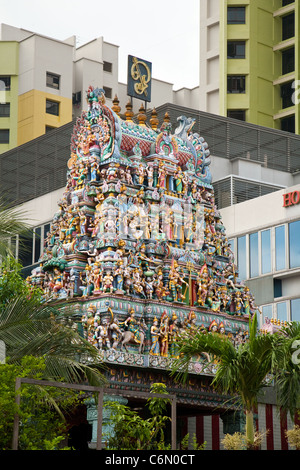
[(291, 199)]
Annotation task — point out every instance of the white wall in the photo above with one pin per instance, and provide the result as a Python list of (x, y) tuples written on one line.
[(265, 211)]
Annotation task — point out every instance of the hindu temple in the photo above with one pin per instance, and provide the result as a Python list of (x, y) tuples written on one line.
[(137, 247)]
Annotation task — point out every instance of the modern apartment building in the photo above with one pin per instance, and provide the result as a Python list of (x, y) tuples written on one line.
[(43, 83), (249, 61)]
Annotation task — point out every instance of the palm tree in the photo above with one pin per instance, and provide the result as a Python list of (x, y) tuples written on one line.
[(241, 371), (29, 328), (12, 223)]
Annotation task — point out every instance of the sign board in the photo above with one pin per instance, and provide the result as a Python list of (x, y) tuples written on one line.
[(291, 199), (139, 78)]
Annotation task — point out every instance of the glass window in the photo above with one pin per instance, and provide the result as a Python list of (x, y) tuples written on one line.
[(107, 66), (294, 245), (236, 50), (287, 92), (52, 107), (295, 310), (239, 114), (236, 15), (25, 249), (108, 92), (266, 251), (253, 246), (282, 311), (4, 136), (288, 26), (52, 80), (242, 258), (236, 84), (280, 247), (37, 244), (4, 109), (4, 83), (288, 60), (266, 313), (288, 124)]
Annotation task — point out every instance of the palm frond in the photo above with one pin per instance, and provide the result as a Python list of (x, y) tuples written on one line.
[(31, 329)]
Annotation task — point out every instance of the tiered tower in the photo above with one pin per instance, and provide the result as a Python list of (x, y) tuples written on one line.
[(137, 246)]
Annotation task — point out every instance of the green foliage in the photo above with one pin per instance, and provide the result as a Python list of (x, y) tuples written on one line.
[(42, 426), (244, 371), (12, 283), (31, 328), (129, 431)]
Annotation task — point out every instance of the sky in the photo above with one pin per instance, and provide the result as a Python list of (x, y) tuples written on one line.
[(164, 32)]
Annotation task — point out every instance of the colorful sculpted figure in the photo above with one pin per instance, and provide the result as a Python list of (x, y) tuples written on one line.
[(179, 180), (161, 176), (175, 282), (174, 331), (164, 334), (133, 326), (119, 274), (155, 336), (150, 171), (107, 282)]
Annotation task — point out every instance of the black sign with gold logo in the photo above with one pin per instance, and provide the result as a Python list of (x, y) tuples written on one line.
[(139, 78)]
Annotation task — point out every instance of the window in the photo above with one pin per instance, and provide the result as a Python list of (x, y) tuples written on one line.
[(277, 288), (288, 26), (4, 109), (236, 84), (280, 247), (52, 107), (52, 80), (287, 92), (287, 2), (288, 60), (288, 124), (282, 311), (295, 310), (76, 97), (107, 66), (242, 257), (108, 92), (239, 114), (253, 246), (236, 50), (265, 251), (4, 136), (267, 312), (4, 83), (294, 245), (236, 15)]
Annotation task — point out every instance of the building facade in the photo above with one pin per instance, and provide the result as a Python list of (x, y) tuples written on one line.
[(249, 61), (43, 83)]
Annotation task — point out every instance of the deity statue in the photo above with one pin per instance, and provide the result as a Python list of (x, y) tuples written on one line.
[(174, 332), (164, 334), (155, 336)]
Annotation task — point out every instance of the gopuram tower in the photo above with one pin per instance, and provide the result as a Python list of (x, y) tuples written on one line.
[(139, 250)]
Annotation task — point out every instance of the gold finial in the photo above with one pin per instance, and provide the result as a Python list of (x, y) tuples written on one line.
[(142, 117), (167, 117), (153, 120), (115, 107), (129, 113)]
